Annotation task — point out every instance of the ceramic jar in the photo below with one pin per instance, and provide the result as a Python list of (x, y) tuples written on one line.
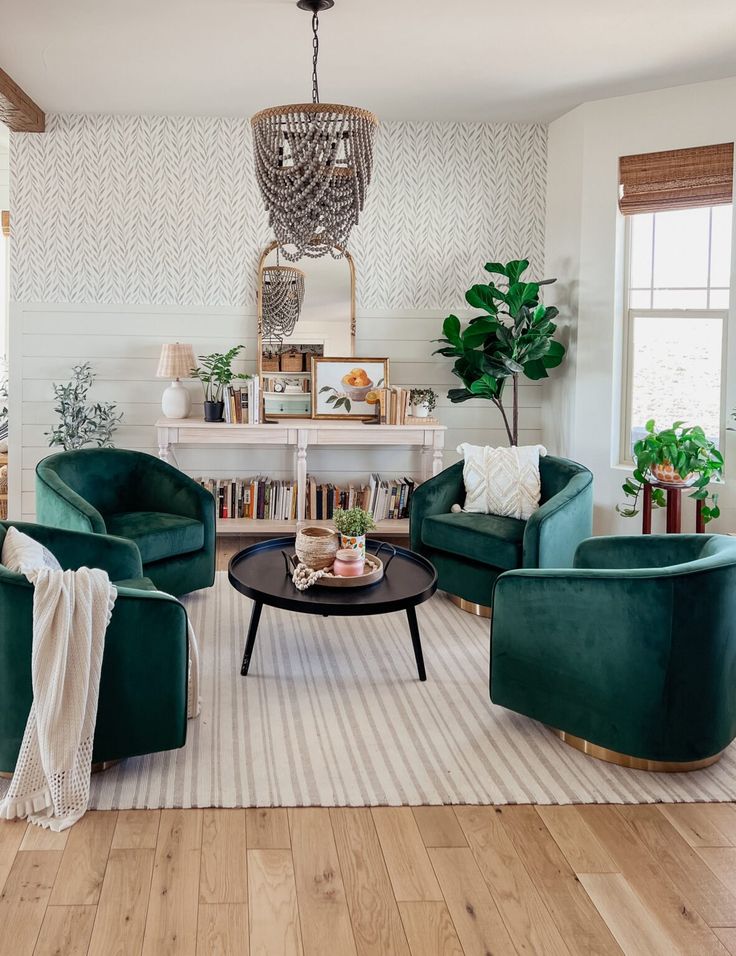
[(353, 542), (316, 547), (349, 563)]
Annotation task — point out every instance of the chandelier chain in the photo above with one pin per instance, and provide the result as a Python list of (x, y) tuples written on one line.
[(315, 57)]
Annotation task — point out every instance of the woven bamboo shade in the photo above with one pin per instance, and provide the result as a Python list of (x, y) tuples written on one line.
[(177, 361), (676, 179)]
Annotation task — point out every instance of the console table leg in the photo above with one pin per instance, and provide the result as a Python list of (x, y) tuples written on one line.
[(416, 641), (251, 639)]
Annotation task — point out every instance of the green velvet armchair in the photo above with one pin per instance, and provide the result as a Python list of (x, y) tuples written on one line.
[(169, 517), (630, 655), (469, 551), (143, 686)]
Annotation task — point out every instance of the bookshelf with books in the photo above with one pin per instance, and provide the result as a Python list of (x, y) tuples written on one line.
[(274, 500), (301, 497)]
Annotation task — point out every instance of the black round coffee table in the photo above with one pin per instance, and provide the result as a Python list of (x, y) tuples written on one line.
[(260, 573)]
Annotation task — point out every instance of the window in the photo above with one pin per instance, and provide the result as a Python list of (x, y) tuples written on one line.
[(678, 276)]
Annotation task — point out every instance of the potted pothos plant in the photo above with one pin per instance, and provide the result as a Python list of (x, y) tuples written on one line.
[(423, 401), (514, 337), (679, 455), (215, 372), (353, 525)]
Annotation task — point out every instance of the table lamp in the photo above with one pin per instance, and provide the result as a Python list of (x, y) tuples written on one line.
[(176, 362)]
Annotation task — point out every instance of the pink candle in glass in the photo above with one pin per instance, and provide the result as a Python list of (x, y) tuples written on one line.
[(348, 563)]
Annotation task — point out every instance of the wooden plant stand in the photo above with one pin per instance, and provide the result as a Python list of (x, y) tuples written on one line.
[(674, 508)]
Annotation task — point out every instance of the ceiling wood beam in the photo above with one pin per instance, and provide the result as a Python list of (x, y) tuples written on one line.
[(17, 109)]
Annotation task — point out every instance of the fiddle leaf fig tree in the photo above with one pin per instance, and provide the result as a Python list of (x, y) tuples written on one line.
[(514, 337)]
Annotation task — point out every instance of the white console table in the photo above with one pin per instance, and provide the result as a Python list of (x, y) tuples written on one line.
[(301, 434)]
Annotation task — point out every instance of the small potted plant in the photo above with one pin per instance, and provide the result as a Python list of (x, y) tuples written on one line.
[(423, 401), (353, 524), (679, 456), (215, 372)]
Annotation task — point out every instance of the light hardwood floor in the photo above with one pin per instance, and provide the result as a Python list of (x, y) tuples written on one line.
[(366, 882), (422, 881)]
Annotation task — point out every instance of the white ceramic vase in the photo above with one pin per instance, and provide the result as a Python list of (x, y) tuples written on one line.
[(175, 401)]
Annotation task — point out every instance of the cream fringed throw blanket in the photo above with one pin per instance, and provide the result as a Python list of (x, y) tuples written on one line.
[(71, 611)]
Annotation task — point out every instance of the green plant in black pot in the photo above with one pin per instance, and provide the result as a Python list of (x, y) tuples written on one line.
[(514, 337), (215, 372), (677, 455)]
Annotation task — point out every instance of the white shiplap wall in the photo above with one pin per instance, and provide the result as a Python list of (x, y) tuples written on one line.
[(123, 344)]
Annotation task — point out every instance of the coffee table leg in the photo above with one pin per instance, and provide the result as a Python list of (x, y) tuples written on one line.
[(416, 641), (251, 639)]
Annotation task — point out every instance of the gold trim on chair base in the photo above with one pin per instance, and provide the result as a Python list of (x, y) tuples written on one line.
[(633, 763), (480, 610), (96, 768)]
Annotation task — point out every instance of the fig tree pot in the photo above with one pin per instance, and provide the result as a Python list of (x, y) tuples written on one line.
[(213, 411)]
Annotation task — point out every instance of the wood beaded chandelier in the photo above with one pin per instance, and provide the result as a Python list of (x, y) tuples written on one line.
[(313, 165)]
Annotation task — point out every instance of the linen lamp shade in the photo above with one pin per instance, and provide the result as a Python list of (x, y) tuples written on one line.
[(176, 361)]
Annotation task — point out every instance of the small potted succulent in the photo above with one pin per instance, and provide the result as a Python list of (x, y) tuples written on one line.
[(423, 401), (353, 524), (215, 372), (679, 456)]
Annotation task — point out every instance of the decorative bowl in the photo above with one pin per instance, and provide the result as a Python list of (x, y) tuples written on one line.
[(355, 392)]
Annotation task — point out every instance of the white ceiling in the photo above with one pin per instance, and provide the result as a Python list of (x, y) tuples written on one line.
[(405, 59)]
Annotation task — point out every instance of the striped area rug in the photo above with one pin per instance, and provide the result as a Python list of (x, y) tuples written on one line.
[(332, 714)]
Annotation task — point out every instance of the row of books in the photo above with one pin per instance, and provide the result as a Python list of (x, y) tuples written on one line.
[(243, 404), (263, 498), (387, 499), (253, 498), (394, 405)]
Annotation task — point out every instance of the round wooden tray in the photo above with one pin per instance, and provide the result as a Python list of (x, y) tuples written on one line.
[(374, 571)]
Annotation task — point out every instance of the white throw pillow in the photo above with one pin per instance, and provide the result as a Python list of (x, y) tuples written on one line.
[(502, 481), (21, 553)]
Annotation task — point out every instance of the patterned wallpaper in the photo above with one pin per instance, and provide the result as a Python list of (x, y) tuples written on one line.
[(166, 211)]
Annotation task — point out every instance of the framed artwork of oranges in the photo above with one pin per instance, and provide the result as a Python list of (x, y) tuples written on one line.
[(347, 388)]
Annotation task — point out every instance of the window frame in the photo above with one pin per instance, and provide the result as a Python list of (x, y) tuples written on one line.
[(630, 314)]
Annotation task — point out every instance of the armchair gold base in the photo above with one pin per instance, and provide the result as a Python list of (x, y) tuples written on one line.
[(633, 763), (480, 610)]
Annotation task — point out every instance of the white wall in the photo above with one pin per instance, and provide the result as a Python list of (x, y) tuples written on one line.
[(584, 247), (130, 231)]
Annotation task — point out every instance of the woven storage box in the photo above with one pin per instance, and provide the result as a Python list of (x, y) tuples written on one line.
[(292, 361), (270, 363)]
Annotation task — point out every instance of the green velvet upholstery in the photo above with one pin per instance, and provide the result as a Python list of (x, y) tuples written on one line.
[(143, 685), (469, 551), (169, 517), (633, 649)]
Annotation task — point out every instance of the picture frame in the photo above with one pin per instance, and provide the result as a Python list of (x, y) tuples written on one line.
[(347, 389)]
